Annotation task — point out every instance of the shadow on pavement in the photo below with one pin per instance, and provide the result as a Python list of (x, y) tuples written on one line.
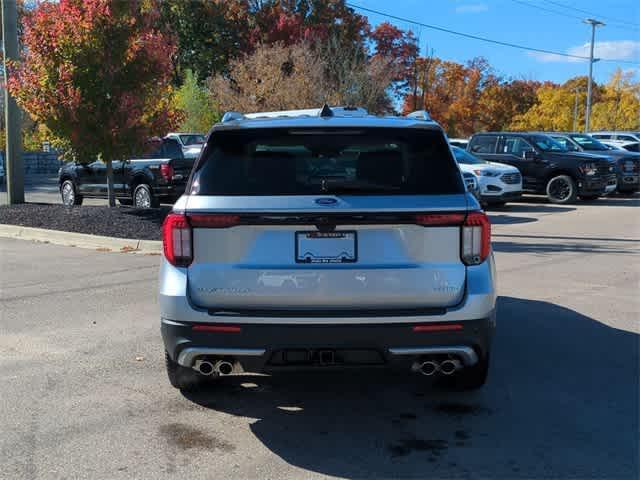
[(563, 244), (561, 401), (531, 208), (509, 219)]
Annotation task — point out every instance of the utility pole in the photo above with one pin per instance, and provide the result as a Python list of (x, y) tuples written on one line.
[(594, 24), (575, 112), (13, 157)]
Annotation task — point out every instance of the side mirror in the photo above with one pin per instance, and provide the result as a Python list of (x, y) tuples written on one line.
[(530, 155)]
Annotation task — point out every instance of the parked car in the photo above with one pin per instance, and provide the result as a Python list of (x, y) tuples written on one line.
[(546, 166), (2, 174), (158, 177), (387, 258), (627, 164), (459, 142), (616, 137), (191, 143), (498, 183), (628, 146)]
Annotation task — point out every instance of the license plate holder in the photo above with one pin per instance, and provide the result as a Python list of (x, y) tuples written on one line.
[(326, 247)]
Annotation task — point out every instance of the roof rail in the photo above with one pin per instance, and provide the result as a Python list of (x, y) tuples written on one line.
[(231, 116), (325, 111), (420, 115)]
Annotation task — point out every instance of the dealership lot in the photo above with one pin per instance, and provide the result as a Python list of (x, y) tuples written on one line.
[(85, 394)]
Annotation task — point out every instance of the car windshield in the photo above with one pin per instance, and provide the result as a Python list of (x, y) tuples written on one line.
[(547, 144), (465, 158), (588, 143), (312, 161), (188, 140)]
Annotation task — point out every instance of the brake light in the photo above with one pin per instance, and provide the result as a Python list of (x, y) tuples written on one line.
[(440, 219), (213, 221), (176, 240), (217, 328), (166, 171), (476, 238), (438, 327)]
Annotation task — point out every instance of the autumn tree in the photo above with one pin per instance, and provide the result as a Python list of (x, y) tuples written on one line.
[(618, 107), (97, 74), (273, 77), (503, 101), (401, 47)]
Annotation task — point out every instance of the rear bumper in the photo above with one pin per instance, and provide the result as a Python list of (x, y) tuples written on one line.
[(258, 348)]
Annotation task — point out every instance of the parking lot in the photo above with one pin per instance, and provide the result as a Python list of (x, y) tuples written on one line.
[(85, 394)]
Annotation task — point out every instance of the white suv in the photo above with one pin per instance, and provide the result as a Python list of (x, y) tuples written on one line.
[(327, 238)]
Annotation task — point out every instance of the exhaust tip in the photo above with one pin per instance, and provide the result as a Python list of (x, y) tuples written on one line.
[(448, 367), (224, 367), (429, 368), (204, 367)]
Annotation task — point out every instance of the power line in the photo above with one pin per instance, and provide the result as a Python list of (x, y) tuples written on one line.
[(611, 19), (568, 15), (476, 37)]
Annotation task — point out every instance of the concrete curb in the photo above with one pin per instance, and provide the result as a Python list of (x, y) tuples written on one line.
[(82, 240)]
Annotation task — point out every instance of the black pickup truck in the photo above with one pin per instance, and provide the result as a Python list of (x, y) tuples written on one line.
[(157, 177), (546, 166)]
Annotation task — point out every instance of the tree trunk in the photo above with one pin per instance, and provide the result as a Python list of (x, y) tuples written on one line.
[(110, 190)]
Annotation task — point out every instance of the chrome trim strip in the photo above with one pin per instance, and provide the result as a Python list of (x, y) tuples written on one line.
[(173, 322), (187, 356), (467, 354)]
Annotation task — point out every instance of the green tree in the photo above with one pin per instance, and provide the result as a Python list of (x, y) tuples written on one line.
[(97, 74), (200, 112)]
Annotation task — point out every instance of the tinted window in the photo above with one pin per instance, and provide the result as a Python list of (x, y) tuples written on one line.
[(313, 161), (566, 143), (588, 143), (192, 140), (547, 144), (170, 149), (632, 147), (516, 146), (464, 157), (626, 138), (483, 144), (602, 136)]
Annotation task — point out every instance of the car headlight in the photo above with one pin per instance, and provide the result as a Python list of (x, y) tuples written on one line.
[(588, 168)]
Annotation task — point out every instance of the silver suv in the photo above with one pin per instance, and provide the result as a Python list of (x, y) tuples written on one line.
[(327, 238)]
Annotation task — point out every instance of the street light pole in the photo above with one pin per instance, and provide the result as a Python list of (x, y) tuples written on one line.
[(13, 158), (594, 24), (575, 112)]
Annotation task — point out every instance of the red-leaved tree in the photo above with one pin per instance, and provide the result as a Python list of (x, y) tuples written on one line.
[(97, 74)]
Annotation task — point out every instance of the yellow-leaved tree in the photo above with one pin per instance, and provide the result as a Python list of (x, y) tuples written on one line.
[(619, 105)]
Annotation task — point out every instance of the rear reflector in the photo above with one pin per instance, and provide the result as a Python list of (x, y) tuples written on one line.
[(476, 238), (216, 328), (440, 219), (438, 327), (176, 240), (213, 221)]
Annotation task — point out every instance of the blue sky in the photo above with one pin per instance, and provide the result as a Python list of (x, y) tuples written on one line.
[(524, 22)]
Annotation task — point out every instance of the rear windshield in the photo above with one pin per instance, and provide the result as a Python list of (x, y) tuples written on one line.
[(314, 161)]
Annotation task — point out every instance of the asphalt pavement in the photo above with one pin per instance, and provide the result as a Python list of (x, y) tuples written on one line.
[(84, 392)]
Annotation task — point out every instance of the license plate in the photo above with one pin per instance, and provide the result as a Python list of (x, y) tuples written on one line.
[(326, 247)]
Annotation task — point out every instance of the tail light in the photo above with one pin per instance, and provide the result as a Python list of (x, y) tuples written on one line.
[(440, 219), (177, 234), (476, 238), (166, 171), (176, 240)]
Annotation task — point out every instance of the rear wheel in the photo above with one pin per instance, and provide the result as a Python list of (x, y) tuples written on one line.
[(561, 189), (469, 378), (69, 195), (143, 197), (183, 378)]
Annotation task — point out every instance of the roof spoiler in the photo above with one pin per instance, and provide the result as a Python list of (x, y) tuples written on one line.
[(420, 115)]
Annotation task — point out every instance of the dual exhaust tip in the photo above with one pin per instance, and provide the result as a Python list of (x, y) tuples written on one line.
[(219, 367), (431, 367)]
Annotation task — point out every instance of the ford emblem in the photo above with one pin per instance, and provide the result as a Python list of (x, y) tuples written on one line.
[(326, 201)]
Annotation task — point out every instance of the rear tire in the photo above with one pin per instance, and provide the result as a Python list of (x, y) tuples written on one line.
[(561, 189), (143, 197), (69, 194), (182, 378), (469, 378)]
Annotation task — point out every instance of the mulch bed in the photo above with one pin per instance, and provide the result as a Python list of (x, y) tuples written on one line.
[(121, 222)]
